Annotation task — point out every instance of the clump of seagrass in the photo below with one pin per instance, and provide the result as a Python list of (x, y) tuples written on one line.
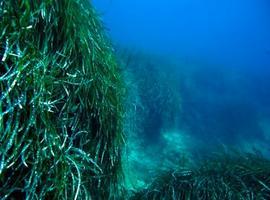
[(60, 103), (155, 98), (223, 177)]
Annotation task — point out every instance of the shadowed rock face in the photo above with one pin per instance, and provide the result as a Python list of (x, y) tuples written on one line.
[(61, 102)]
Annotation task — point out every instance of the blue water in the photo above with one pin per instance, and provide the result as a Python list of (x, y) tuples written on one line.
[(231, 32), (225, 98)]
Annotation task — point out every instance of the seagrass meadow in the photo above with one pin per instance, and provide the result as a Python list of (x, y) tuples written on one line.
[(222, 176), (172, 166), (73, 111), (60, 103)]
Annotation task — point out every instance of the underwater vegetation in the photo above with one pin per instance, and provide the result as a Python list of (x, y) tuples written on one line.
[(151, 108), (230, 175), (223, 176), (155, 97), (65, 104), (60, 103)]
